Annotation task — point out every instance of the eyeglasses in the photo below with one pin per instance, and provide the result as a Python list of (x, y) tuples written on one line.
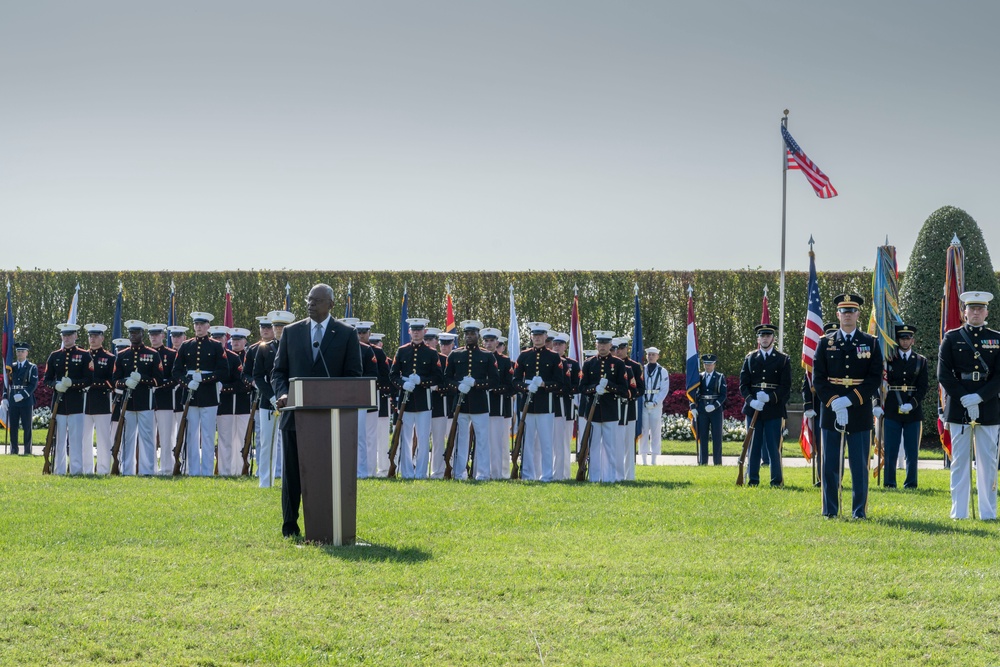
[(847, 310)]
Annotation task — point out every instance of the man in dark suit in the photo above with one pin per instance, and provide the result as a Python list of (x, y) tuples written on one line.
[(318, 346)]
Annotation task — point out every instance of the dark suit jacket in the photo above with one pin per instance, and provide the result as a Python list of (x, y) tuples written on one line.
[(341, 352)]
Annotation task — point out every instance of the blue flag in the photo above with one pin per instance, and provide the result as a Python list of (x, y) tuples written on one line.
[(638, 351), (8, 333), (116, 329), (404, 328)]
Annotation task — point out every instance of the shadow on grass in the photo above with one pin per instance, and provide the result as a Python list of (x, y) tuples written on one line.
[(906, 492), (949, 527), (647, 484), (374, 553)]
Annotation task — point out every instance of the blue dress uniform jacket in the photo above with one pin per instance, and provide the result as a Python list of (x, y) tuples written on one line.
[(163, 395), (482, 366), (99, 393), (382, 382), (970, 369), (235, 395), (78, 365), (546, 364), (711, 391), (637, 387), (438, 408), (262, 366), (571, 386), (907, 383), (417, 358), (207, 356), (147, 362), (500, 395), (23, 382), (772, 375), (848, 369), (613, 369)]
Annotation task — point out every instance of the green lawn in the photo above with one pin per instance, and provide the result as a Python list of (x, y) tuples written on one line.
[(680, 567)]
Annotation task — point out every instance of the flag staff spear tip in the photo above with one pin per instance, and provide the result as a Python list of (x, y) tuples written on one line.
[(690, 290), (811, 242), (636, 288), (954, 241)]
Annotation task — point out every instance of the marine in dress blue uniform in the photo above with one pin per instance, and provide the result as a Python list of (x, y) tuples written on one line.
[(70, 371), (97, 413), (472, 372), (416, 369), (163, 400), (140, 370), (538, 375), (847, 374), (906, 376), (765, 384), (21, 398), (562, 434), (709, 404), (384, 394), (605, 380), (500, 407)]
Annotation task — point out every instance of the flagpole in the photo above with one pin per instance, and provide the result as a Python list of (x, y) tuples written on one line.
[(784, 199)]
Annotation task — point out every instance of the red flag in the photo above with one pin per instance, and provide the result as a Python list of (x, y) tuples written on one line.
[(765, 313), (575, 332), (806, 439), (951, 318), (449, 318)]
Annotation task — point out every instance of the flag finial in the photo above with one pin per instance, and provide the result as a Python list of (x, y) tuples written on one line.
[(576, 290), (811, 242), (120, 286), (765, 290), (690, 290), (786, 113), (635, 289), (954, 241), (228, 289), (172, 287), (288, 287), (887, 239)]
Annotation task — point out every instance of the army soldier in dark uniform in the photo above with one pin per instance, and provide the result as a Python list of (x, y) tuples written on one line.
[(538, 374), (472, 372), (500, 410), (765, 384), (604, 380), (847, 373), (23, 383), (139, 370), (969, 371), (163, 400), (97, 413), (907, 385), (416, 368), (70, 370), (562, 434), (384, 392), (202, 366), (708, 406)]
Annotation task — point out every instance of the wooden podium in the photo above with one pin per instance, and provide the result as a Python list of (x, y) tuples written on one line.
[(326, 426)]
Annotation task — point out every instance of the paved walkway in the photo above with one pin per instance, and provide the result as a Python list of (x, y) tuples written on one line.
[(787, 462)]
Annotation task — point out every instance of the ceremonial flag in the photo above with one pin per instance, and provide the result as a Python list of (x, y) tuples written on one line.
[(813, 332), (692, 368), (575, 334), (513, 333), (74, 306), (807, 439), (638, 352), (885, 301), (288, 297), (349, 308), (765, 312), (819, 181), (404, 328), (951, 318), (449, 314), (116, 326), (8, 338), (172, 309)]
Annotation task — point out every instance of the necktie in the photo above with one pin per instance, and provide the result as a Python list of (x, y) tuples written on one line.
[(317, 339)]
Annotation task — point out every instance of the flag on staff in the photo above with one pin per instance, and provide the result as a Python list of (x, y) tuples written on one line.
[(172, 309), (819, 181), (951, 318), (693, 374), (8, 339), (288, 297), (116, 326), (349, 308), (513, 333), (74, 306), (885, 301), (813, 334), (765, 312), (449, 314), (575, 334), (638, 352), (404, 314)]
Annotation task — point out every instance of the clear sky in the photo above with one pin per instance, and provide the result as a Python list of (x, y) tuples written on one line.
[(487, 135)]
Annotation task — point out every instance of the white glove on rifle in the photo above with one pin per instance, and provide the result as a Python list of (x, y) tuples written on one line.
[(878, 412), (842, 417), (971, 399), (602, 387), (840, 403), (973, 411), (131, 382), (763, 396), (694, 413), (809, 414), (466, 385), (17, 398), (409, 385), (532, 387), (709, 408), (63, 385), (4, 404), (274, 402), (756, 405), (905, 408), (196, 376), (414, 378), (194, 384)]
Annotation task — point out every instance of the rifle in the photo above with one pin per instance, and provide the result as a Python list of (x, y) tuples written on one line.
[(471, 468), (449, 450), (181, 434), (583, 446), (50, 437), (119, 433), (248, 437), (515, 471), (746, 447), (396, 433)]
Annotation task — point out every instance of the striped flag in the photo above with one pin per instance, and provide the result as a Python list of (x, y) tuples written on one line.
[(74, 306), (765, 312), (227, 315), (692, 368), (819, 181), (813, 334), (951, 318)]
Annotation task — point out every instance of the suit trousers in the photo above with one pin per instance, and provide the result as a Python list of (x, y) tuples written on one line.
[(537, 455), (766, 437), (69, 434), (291, 485), (986, 469), (101, 426), (199, 442), (893, 432), (139, 435), (440, 426), (858, 454), (499, 447), (481, 458), (605, 442), (652, 425), (165, 433)]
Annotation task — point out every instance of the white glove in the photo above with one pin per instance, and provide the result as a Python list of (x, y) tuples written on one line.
[(973, 411), (66, 382), (878, 412), (61, 387), (4, 404), (809, 414), (414, 378), (17, 398), (131, 382), (600, 391), (842, 417), (196, 376), (763, 396), (274, 402), (709, 408), (135, 376), (537, 381), (603, 382), (840, 403), (905, 408), (409, 385), (971, 399), (194, 384), (757, 405), (464, 388), (469, 380), (532, 387)]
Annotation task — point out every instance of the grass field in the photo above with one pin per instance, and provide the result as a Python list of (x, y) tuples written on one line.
[(680, 567)]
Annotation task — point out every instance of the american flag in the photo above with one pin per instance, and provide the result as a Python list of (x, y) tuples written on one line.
[(814, 320), (796, 159)]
